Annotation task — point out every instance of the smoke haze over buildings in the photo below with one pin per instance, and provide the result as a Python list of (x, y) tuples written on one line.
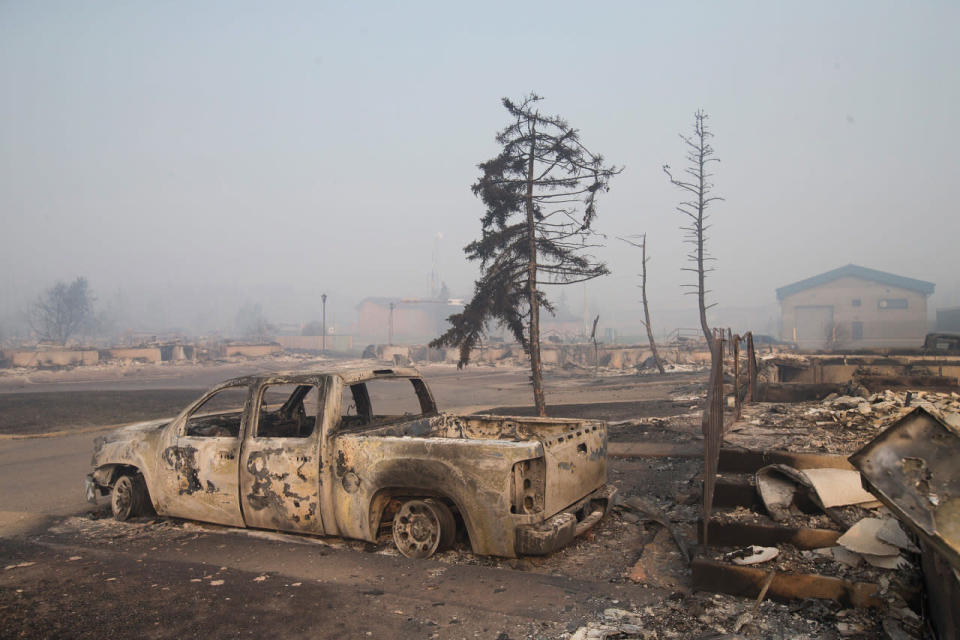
[(189, 158)]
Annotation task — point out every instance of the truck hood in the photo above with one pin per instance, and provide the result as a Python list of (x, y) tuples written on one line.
[(135, 430), (133, 434)]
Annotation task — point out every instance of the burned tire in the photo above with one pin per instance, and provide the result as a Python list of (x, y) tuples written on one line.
[(448, 526), (129, 497), (421, 527)]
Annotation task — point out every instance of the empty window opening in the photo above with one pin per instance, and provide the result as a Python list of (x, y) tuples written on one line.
[(288, 411), (220, 416), (383, 401)]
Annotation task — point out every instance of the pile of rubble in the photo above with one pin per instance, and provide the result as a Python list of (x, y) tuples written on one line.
[(838, 424), (715, 616), (879, 409)]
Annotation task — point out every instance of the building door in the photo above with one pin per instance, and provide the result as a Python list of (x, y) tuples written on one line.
[(814, 326)]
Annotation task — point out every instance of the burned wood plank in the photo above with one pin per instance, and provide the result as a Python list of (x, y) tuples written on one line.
[(878, 382), (736, 492), (743, 533), (732, 460), (719, 577), (712, 426), (749, 460), (797, 391), (653, 450)]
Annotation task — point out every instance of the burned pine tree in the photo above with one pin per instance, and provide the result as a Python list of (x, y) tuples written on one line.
[(540, 197), (643, 298), (697, 184)]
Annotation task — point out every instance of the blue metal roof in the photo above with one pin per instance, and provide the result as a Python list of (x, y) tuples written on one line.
[(855, 271)]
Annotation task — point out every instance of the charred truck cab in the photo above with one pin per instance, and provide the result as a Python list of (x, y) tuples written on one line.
[(359, 454)]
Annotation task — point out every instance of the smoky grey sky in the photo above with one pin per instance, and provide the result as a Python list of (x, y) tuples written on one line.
[(189, 157)]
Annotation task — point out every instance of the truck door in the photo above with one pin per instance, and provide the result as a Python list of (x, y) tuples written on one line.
[(280, 461), (203, 460)]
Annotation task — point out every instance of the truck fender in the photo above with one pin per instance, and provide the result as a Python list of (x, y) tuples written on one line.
[(423, 478)]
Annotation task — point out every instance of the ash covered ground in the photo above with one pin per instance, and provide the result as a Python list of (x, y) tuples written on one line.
[(72, 571)]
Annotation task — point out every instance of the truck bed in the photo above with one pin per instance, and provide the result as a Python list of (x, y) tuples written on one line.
[(574, 450)]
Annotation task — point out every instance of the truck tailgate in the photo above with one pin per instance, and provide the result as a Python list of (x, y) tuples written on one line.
[(576, 462)]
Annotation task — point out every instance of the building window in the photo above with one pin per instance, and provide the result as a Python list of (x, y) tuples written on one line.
[(856, 330), (892, 303), (856, 302)]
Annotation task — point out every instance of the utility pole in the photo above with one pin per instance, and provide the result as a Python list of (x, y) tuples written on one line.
[(323, 299), (390, 328)]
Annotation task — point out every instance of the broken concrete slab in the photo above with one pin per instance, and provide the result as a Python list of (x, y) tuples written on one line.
[(862, 538), (892, 533), (842, 555), (838, 487)]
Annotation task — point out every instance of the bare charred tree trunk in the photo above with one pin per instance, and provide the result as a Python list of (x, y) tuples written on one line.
[(536, 369), (698, 185), (646, 307), (643, 298)]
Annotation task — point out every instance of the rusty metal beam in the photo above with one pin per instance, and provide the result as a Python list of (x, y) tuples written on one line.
[(719, 577)]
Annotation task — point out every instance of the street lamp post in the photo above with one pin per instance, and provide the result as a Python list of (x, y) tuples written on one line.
[(390, 325), (323, 299)]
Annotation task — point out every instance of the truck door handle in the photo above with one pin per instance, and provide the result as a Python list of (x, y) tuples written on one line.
[(302, 458), (226, 455)]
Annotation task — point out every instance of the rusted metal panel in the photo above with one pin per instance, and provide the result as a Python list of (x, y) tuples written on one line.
[(719, 577), (942, 584), (913, 467)]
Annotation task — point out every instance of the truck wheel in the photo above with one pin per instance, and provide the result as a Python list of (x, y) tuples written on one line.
[(419, 527), (448, 526), (129, 497)]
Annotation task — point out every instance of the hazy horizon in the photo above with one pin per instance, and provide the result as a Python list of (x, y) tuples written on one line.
[(189, 158)]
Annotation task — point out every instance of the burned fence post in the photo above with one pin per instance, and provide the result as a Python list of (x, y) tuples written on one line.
[(736, 376), (712, 425)]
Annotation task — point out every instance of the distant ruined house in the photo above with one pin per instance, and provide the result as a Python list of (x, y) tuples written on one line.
[(854, 307), (407, 319)]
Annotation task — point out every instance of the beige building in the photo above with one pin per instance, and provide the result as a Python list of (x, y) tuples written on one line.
[(854, 307)]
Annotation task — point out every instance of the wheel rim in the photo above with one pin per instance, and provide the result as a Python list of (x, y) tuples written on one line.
[(122, 499), (416, 529)]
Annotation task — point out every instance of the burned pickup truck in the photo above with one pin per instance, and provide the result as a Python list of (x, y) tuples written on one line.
[(358, 454)]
